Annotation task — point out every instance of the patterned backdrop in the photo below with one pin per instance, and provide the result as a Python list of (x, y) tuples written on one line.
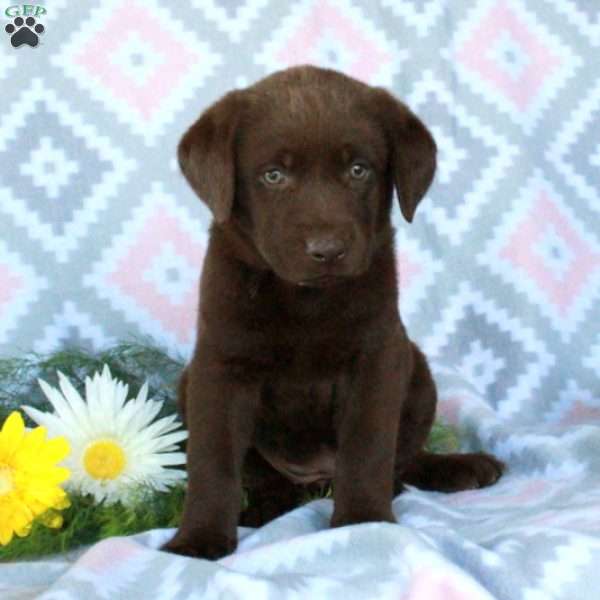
[(101, 238)]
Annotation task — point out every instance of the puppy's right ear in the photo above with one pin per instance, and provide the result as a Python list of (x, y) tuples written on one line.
[(206, 155)]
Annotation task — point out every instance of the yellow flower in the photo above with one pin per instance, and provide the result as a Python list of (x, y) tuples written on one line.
[(29, 477)]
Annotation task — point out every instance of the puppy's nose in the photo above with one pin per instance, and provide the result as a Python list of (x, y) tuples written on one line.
[(325, 249)]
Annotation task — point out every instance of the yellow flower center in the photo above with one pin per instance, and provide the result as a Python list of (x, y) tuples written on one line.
[(104, 459), (6, 480)]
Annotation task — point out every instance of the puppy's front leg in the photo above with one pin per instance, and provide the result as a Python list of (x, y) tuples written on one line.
[(364, 475), (220, 419)]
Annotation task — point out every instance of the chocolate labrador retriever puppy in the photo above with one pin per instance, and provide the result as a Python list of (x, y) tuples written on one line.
[(303, 371)]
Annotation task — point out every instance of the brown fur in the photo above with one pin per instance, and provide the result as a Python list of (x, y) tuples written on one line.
[(296, 381)]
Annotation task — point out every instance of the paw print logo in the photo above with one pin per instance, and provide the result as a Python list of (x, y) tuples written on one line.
[(24, 31)]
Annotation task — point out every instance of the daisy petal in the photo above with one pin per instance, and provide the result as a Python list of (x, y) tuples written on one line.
[(65, 410)]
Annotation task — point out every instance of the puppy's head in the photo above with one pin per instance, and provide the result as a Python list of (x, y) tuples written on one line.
[(305, 162)]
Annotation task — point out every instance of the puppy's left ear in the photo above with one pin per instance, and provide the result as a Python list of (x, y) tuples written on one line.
[(413, 159)]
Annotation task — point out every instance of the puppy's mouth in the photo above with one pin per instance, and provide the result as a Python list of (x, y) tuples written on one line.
[(322, 281)]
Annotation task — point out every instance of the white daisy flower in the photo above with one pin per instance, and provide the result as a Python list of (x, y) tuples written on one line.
[(115, 447)]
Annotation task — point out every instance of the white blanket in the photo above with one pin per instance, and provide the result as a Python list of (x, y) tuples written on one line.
[(535, 535)]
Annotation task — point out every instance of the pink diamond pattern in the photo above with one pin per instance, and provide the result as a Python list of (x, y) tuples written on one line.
[(415, 271), (175, 315), (19, 288), (500, 23), (175, 59), (11, 285), (562, 288), (408, 270), (581, 412), (366, 54)]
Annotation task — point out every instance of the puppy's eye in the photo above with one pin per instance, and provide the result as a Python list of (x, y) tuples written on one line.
[(274, 177), (358, 171)]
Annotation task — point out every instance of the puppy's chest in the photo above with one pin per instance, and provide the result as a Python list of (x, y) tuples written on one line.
[(311, 351), (312, 343)]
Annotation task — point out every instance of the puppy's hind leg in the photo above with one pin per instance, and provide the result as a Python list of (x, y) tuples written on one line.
[(425, 470)]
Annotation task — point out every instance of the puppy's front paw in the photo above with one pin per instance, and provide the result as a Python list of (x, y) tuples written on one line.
[(342, 518), (201, 545)]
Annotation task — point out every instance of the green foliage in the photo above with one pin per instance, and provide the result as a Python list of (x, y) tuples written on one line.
[(132, 362), (86, 522), (443, 439)]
